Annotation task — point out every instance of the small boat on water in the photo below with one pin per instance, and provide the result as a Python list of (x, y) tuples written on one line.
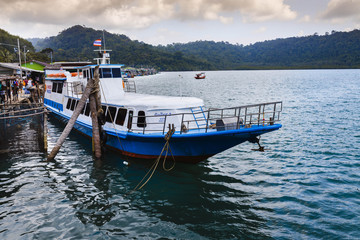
[(200, 76), (137, 125)]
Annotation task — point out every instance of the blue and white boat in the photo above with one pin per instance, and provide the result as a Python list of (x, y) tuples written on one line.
[(136, 124)]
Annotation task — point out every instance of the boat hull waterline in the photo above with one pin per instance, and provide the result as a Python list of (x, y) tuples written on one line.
[(189, 148)]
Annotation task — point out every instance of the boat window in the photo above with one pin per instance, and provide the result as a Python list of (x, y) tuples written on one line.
[(103, 115), (106, 73), (120, 118), (85, 73), (110, 115), (72, 107), (59, 87), (68, 103), (131, 113), (141, 121), (87, 109), (104, 109), (83, 109), (116, 72), (54, 86)]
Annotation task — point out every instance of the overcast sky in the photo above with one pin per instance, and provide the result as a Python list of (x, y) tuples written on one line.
[(168, 21)]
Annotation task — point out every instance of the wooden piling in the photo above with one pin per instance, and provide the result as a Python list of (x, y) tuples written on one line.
[(45, 132), (95, 127), (95, 109)]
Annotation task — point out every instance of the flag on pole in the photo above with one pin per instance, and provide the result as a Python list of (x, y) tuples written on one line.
[(97, 43)]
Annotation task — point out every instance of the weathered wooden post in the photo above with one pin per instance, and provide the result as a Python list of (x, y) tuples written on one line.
[(72, 120), (45, 131), (95, 127), (95, 106)]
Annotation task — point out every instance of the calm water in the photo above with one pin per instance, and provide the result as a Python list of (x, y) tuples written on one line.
[(307, 186)]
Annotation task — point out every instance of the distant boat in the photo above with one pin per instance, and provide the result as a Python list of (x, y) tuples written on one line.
[(200, 76)]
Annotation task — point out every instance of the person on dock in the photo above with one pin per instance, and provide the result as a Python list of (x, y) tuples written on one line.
[(21, 85), (15, 90), (8, 91), (2, 93)]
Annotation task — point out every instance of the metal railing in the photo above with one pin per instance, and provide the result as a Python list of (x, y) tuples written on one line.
[(75, 89), (215, 119), (129, 86)]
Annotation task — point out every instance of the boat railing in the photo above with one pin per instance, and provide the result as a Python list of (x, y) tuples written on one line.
[(129, 86), (215, 119), (75, 89)]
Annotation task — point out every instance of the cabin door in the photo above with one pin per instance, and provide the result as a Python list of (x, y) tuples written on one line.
[(130, 119), (87, 74)]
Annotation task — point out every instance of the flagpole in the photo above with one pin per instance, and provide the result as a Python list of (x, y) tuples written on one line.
[(104, 40), (18, 42)]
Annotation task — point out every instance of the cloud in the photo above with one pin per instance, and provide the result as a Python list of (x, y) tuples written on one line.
[(264, 10), (105, 13), (127, 14), (341, 10), (251, 10), (261, 30), (305, 19)]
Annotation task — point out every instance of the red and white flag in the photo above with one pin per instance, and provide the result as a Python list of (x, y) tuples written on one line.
[(97, 43)]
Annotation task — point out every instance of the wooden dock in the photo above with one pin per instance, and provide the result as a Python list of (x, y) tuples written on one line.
[(18, 108)]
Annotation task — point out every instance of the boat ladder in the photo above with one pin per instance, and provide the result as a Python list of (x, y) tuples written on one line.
[(199, 116)]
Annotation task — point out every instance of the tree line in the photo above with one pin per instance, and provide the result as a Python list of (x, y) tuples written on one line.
[(332, 50)]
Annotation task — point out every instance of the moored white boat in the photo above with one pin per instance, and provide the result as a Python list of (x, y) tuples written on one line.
[(136, 124)]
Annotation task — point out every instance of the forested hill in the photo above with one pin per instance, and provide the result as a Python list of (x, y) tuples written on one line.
[(76, 44), (335, 50), (8, 46)]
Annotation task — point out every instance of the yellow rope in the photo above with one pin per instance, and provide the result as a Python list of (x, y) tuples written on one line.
[(156, 162), (112, 121)]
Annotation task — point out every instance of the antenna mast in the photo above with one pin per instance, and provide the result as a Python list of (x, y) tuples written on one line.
[(104, 40), (104, 56)]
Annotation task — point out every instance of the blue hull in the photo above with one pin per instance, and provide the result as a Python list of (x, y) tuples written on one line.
[(191, 148)]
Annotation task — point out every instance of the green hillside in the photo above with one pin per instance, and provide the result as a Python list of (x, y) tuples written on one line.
[(334, 50), (8, 47), (9, 52), (76, 43)]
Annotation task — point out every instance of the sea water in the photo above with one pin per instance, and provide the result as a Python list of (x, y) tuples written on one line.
[(305, 186)]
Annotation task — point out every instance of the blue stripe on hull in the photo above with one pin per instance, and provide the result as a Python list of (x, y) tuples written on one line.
[(185, 147)]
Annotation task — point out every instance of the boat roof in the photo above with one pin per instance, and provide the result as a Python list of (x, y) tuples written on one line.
[(76, 65), (102, 65), (155, 102)]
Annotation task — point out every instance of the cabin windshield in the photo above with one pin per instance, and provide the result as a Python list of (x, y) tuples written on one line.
[(109, 72)]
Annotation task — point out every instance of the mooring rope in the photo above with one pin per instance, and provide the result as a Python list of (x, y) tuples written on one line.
[(156, 162), (96, 88), (112, 121)]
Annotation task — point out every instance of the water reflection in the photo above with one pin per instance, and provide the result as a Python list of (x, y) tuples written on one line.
[(193, 199), (305, 187)]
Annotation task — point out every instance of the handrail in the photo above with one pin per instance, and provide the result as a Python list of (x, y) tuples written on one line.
[(241, 117), (129, 86), (74, 88)]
